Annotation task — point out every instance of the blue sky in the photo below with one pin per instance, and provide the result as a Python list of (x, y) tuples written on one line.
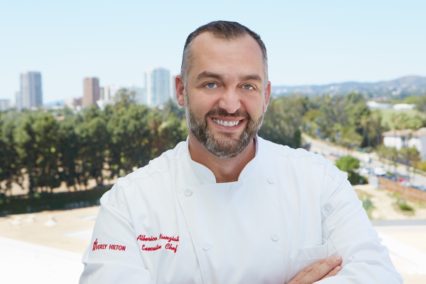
[(308, 41)]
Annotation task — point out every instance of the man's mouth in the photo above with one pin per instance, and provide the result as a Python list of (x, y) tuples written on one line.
[(226, 123)]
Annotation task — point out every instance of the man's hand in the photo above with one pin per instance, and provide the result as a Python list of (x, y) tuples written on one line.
[(321, 269)]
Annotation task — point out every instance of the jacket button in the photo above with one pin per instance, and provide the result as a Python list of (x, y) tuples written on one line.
[(188, 193), (328, 208), (275, 237), (206, 247)]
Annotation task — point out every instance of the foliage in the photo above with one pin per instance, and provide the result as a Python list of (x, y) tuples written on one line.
[(347, 163), (344, 120), (418, 101), (36, 136), (283, 121), (93, 136), (368, 206), (350, 165), (9, 164), (45, 201), (409, 156), (41, 150), (388, 153), (404, 206), (409, 119), (421, 166)]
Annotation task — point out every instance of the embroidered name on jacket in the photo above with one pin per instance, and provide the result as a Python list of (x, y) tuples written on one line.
[(154, 242), (99, 246)]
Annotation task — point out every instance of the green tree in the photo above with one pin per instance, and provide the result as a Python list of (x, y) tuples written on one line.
[(350, 165), (36, 144), (9, 163), (409, 156), (419, 101), (403, 120), (93, 136), (344, 120), (388, 153), (372, 129), (129, 139), (283, 121), (165, 129), (68, 149)]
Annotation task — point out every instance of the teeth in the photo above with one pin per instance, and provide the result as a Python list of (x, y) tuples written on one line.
[(226, 123)]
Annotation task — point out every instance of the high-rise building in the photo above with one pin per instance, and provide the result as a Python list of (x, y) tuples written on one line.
[(91, 91), (4, 104), (31, 95), (139, 95), (157, 85), (18, 100)]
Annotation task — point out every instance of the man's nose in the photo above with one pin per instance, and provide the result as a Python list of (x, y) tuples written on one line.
[(230, 101)]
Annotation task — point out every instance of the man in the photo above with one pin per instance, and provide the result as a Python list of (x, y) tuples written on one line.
[(227, 206)]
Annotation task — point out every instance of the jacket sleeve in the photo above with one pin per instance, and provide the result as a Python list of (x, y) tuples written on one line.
[(348, 229), (113, 255)]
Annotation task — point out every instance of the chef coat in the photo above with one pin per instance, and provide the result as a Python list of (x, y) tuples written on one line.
[(170, 222)]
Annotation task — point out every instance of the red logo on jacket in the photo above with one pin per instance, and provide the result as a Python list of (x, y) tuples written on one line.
[(116, 247), (154, 243)]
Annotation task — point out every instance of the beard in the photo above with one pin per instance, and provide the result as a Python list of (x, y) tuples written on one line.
[(225, 146)]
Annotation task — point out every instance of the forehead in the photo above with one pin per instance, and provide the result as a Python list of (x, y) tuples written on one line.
[(209, 52)]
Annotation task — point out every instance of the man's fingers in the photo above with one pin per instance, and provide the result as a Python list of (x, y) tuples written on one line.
[(333, 272), (318, 270)]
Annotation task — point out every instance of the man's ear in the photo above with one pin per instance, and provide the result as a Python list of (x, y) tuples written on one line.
[(180, 90), (267, 96)]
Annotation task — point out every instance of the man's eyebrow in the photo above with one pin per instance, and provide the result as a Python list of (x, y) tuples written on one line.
[(207, 74), (252, 77)]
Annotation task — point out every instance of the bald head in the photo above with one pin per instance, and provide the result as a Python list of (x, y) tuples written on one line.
[(223, 30)]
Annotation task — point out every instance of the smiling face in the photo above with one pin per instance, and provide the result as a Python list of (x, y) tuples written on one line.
[(225, 92)]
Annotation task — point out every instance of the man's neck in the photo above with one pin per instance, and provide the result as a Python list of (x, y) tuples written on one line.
[(224, 169)]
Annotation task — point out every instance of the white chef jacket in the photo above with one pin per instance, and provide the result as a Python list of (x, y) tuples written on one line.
[(170, 222)]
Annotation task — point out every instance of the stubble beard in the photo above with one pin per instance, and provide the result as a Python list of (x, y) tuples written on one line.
[(222, 147)]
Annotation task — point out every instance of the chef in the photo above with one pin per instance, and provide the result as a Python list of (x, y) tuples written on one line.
[(226, 206)]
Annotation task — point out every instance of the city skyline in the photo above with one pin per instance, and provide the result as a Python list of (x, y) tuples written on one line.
[(308, 42)]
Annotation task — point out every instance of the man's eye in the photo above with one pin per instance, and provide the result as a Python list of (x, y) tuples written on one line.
[(248, 87), (211, 85)]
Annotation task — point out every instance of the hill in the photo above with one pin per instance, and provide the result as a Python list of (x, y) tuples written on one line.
[(398, 88)]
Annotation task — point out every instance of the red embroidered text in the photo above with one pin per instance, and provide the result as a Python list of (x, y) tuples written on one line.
[(146, 238), (150, 248), (98, 246), (168, 242)]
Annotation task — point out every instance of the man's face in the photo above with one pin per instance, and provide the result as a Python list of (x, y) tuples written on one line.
[(225, 93)]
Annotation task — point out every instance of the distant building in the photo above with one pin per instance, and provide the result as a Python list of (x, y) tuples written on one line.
[(398, 107), (107, 93), (139, 95), (402, 107), (31, 95), (157, 85), (18, 100), (4, 104), (59, 104), (91, 91), (407, 138), (376, 105), (74, 103)]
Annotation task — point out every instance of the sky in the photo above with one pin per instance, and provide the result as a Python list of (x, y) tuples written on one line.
[(309, 42)]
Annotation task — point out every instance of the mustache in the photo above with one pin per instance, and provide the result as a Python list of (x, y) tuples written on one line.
[(222, 112)]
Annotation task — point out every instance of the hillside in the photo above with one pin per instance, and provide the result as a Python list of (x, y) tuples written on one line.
[(400, 87)]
